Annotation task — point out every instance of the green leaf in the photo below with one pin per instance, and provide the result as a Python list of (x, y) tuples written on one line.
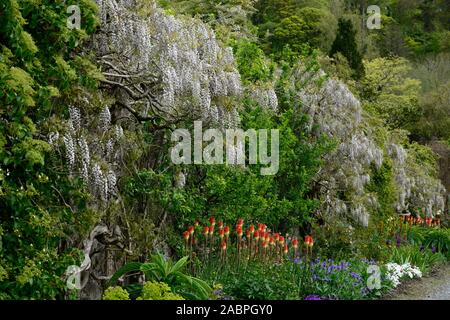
[(132, 266)]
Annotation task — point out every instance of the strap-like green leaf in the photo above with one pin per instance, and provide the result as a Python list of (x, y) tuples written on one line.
[(179, 265), (132, 266)]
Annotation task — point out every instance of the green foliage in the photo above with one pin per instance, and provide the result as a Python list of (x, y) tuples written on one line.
[(151, 290), (158, 291), (382, 183), (260, 282), (37, 72), (252, 64), (116, 293), (289, 280), (290, 32), (425, 259), (345, 43), (438, 239), (430, 238), (164, 270), (435, 122), (393, 96), (298, 26)]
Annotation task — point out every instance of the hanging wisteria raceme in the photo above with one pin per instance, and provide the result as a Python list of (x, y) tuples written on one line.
[(264, 96), (334, 111), (415, 187), (90, 154), (167, 66)]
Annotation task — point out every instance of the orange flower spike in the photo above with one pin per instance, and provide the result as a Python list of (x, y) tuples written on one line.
[(226, 229), (223, 245), (286, 249), (211, 230), (221, 233), (307, 240), (256, 235), (196, 223), (191, 230), (272, 241), (252, 229), (212, 221), (260, 227), (248, 233), (311, 242), (295, 243), (281, 239), (220, 225), (205, 230), (276, 236), (239, 231), (240, 222), (186, 235)]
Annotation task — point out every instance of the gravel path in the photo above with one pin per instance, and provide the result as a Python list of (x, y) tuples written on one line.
[(436, 286)]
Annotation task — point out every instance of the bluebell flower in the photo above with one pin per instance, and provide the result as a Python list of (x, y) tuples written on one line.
[(313, 297)]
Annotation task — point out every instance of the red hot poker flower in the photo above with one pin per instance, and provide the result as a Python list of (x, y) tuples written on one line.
[(286, 249), (281, 239), (211, 230), (256, 235), (220, 225), (223, 245), (186, 235), (205, 230), (212, 221), (239, 231), (221, 233), (276, 236), (307, 240), (252, 229), (295, 243), (226, 230), (248, 233), (190, 229)]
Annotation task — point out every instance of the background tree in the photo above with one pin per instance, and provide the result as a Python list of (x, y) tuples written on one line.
[(345, 43)]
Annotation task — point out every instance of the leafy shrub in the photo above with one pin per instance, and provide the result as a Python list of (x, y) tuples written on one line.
[(116, 293), (423, 258), (35, 221), (439, 239), (158, 291), (164, 270), (434, 239)]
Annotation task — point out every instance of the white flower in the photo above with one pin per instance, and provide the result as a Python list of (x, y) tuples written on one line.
[(395, 272)]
